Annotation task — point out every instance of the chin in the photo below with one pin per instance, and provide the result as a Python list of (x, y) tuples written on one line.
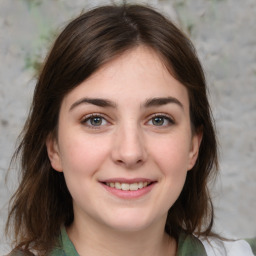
[(131, 224)]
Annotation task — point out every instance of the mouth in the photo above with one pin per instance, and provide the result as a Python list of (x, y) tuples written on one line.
[(128, 186)]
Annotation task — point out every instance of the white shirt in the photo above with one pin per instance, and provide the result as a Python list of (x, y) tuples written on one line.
[(218, 247)]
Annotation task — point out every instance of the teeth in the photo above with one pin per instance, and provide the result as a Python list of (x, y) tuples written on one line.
[(118, 185), (126, 186), (134, 186)]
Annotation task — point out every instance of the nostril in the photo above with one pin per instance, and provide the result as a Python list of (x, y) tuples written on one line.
[(129, 163)]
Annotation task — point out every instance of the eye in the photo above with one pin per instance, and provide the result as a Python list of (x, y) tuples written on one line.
[(94, 121), (161, 120)]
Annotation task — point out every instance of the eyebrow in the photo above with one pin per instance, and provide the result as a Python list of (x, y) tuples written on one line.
[(93, 101), (155, 102), (152, 102)]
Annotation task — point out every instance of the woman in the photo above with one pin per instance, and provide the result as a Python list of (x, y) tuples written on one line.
[(119, 144)]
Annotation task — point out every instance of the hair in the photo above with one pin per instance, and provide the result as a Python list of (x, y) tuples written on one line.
[(42, 202)]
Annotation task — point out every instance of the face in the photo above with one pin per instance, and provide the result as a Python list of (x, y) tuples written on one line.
[(125, 143)]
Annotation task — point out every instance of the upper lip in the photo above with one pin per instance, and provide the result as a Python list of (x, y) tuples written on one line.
[(128, 181)]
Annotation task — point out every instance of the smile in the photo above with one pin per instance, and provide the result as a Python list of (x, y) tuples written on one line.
[(126, 186), (129, 188)]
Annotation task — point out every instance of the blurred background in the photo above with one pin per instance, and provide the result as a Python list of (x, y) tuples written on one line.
[(224, 34)]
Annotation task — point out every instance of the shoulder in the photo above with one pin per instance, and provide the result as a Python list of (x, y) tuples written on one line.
[(252, 243), (215, 247), (55, 252), (20, 253)]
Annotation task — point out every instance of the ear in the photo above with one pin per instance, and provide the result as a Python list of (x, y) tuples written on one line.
[(53, 153), (194, 149)]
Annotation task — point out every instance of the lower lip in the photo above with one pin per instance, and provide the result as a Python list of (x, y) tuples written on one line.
[(129, 194)]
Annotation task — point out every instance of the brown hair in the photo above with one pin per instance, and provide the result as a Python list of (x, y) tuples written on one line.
[(42, 202)]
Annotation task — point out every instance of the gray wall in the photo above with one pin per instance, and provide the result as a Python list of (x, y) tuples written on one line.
[(224, 33)]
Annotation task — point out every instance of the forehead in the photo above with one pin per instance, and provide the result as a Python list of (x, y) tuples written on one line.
[(137, 61), (135, 75)]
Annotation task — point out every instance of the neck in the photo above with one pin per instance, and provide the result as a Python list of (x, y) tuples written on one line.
[(91, 239)]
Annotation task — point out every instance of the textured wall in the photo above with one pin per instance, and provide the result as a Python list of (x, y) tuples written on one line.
[(224, 33)]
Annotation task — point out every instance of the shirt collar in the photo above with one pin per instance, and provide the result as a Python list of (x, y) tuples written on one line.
[(188, 245)]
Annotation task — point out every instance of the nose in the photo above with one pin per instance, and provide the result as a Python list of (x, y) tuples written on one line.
[(129, 149)]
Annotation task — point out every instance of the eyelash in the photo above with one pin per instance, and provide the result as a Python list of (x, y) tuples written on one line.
[(90, 117), (103, 119), (165, 117)]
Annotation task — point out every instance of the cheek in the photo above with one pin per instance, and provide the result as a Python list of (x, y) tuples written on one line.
[(171, 158), (81, 159), (172, 154), (82, 155)]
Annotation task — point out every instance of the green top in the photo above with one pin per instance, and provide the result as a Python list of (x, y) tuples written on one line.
[(188, 245), (252, 243)]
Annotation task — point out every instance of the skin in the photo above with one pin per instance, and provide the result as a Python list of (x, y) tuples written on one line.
[(128, 141)]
